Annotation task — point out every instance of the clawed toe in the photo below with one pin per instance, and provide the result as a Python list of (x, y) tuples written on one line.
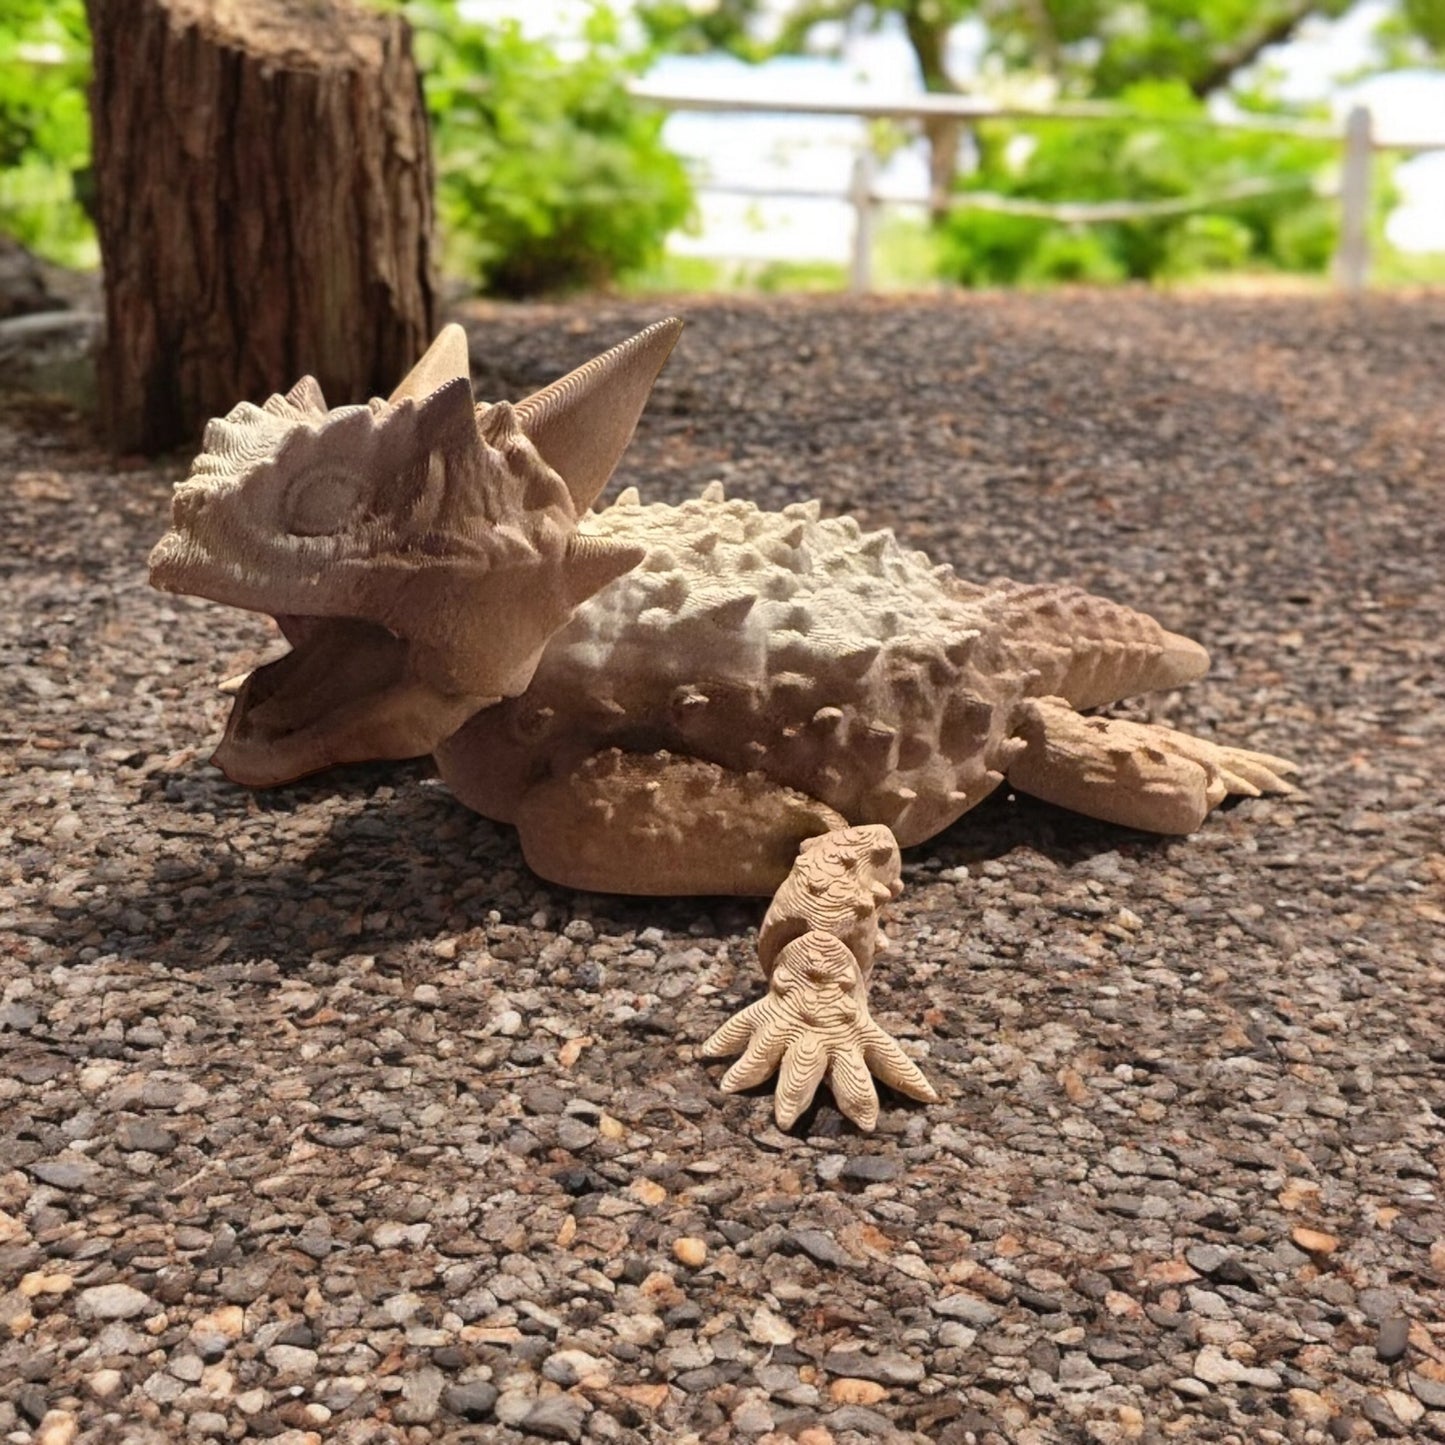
[(813, 1027)]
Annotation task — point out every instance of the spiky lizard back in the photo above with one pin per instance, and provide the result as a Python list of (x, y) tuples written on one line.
[(835, 661)]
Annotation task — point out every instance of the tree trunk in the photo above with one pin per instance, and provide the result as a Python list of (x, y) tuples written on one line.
[(264, 203), (927, 32)]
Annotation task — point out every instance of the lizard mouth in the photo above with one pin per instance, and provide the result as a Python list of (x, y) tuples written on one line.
[(347, 692), (291, 716)]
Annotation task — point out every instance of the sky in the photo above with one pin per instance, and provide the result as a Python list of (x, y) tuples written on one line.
[(817, 152)]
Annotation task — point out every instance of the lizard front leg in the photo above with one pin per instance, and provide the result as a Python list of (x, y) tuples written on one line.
[(817, 945)]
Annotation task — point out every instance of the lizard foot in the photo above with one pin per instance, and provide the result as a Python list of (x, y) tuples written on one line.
[(1140, 775), (814, 1025)]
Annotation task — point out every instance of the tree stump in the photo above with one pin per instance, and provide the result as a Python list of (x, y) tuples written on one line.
[(264, 202)]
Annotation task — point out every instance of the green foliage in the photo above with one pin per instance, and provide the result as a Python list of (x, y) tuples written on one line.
[(1160, 56), (45, 128), (1412, 34), (1092, 47), (1103, 47), (550, 176), (1291, 228)]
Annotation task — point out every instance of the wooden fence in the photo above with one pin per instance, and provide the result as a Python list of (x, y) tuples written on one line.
[(1357, 139)]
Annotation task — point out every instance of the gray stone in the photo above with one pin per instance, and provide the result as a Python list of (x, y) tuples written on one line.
[(557, 1417), (575, 1135), (1214, 1367), (421, 1397), (144, 1135), (567, 1367), (752, 1417), (859, 1418), (1393, 1339), (68, 1171), (888, 1368), (954, 1335), (1078, 1372), (164, 1388), (514, 1405), (821, 1247), (113, 1302), (968, 1308), (292, 1360), (1430, 1393), (246, 1283), (1206, 1258), (871, 1168), (188, 1368), (472, 1401)]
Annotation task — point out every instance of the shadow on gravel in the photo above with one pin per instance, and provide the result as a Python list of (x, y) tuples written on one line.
[(1004, 822), (364, 860), (378, 857)]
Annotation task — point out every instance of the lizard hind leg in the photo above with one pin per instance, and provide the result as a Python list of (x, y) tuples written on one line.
[(664, 824), (1139, 775)]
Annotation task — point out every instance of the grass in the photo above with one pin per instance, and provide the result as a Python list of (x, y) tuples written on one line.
[(904, 259)]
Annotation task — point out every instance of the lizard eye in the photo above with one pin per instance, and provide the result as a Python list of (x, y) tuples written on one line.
[(321, 501)]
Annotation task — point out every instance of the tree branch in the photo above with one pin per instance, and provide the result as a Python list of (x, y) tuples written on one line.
[(1224, 67)]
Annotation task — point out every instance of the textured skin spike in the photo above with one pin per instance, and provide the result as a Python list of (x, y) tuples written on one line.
[(628, 497), (965, 725), (581, 424), (876, 744), (497, 424), (444, 360), (713, 492), (687, 699), (728, 612), (306, 397), (593, 562), (855, 660), (958, 650)]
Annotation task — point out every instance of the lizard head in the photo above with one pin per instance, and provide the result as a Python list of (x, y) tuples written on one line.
[(448, 528)]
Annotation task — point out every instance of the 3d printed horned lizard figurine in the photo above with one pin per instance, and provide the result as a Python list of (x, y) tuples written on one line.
[(664, 699)]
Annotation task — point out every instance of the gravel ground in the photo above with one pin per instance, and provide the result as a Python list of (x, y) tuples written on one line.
[(322, 1119)]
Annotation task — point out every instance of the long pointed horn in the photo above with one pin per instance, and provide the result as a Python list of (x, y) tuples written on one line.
[(581, 424), (445, 360)]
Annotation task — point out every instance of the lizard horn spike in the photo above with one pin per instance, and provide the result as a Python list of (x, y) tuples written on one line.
[(581, 424), (445, 360), (593, 562)]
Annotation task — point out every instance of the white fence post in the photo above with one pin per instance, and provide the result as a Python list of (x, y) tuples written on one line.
[(1352, 260), (860, 193)]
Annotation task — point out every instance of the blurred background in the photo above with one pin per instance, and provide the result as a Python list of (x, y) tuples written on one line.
[(778, 144)]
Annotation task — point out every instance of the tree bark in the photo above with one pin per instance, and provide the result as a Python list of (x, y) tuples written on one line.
[(264, 204), (927, 33)]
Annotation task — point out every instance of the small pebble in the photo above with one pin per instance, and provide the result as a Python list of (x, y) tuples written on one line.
[(1393, 1338), (688, 1250)]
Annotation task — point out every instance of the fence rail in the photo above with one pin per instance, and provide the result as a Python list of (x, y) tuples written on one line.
[(1358, 139)]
